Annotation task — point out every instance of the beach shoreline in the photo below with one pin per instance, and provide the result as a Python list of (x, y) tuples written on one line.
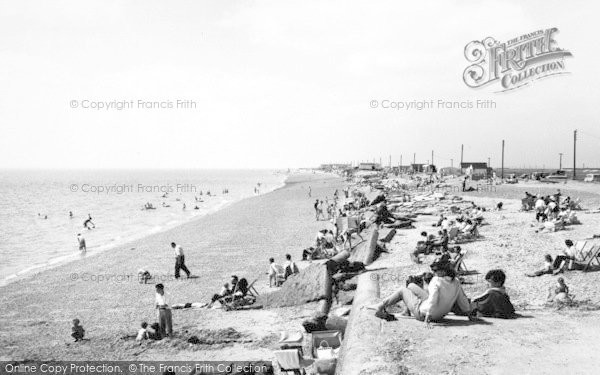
[(104, 293), (31, 271)]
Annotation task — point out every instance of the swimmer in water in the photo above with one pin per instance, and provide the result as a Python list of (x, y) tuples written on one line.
[(88, 222), (70, 214)]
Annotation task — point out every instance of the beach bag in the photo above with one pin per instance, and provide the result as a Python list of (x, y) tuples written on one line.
[(324, 351)]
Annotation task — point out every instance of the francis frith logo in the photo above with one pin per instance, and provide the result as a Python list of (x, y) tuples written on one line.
[(514, 63)]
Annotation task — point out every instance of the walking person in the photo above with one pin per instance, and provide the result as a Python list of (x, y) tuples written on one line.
[(165, 320), (179, 261), (81, 240), (316, 205)]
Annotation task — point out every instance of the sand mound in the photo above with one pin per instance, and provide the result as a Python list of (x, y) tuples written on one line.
[(310, 285)]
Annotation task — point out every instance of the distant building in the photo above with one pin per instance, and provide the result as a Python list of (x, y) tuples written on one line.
[(335, 166), (369, 166), (477, 171), (417, 167), (423, 168)]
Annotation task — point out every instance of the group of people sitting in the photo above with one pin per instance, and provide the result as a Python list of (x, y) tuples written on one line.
[(278, 273), (431, 296), (565, 261), (236, 289)]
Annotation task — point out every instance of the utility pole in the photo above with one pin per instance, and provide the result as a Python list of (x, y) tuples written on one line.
[(574, 153), (503, 158), (489, 164), (451, 163), (431, 157), (415, 158), (462, 147), (560, 161), (400, 160)]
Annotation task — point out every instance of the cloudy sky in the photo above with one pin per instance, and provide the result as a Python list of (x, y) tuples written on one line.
[(283, 83)]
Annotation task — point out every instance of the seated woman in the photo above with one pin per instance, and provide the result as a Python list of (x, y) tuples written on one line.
[(495, 301), (444, 292), (548, 267)]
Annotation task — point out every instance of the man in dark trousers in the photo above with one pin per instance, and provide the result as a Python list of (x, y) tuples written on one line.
[(179, 261)]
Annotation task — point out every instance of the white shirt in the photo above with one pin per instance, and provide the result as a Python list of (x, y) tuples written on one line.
[(142, 334), (443, 293), (161, 300), (178, 250), (539, 204), (275, 269)]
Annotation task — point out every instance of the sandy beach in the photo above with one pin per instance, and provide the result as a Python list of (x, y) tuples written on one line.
[(104, 293), (545, 339)]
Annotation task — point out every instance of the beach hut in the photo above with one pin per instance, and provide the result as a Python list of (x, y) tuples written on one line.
[(475, 170), (369, 167)]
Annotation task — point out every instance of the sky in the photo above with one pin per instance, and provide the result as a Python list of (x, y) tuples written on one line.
[(284, 84)]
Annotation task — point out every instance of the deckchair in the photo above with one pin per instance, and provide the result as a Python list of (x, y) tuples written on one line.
[(592, 257), (579, 248), (252, 290), (290, 360), (234, 301), (453, 234), (460, 266)]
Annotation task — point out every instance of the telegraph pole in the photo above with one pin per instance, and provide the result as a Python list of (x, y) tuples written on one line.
[(451, 163), (432, 157), (461, 154), (574, 152), (560, 161), (489, 164), (503, 158), (415, 158)]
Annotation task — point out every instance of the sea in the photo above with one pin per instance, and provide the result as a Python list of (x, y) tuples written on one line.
[(43, 211)]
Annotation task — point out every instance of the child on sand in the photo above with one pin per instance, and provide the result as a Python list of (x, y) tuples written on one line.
[(548, 267), (143, 332), (275, 272), (560, 293), (77, 331), (494, 302)]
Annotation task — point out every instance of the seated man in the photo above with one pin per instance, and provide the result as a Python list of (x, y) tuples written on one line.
[(494, 302), (444, 292), (565, 261)]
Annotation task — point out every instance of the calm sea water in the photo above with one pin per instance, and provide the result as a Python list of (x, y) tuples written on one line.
[(37, 231)]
